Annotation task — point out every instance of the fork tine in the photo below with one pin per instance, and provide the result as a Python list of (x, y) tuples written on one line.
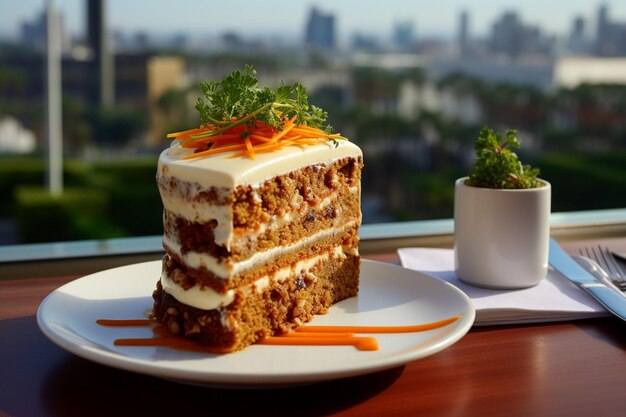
[(610, 262), (607, 262), (599, 257), (585, 252)]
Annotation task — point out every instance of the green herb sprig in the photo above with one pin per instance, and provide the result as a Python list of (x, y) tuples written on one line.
[(497, 166), (238, 100)]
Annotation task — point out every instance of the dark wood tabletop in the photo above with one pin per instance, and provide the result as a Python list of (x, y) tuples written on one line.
[(575, 368)]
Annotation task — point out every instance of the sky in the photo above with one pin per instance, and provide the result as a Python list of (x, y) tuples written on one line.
[(429, 18)]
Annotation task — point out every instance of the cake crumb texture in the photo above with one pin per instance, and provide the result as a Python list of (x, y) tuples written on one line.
[(281, 307)]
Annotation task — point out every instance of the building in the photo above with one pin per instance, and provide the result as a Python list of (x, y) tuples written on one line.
[(101, 86), (403, 35), (320, 30), (512, 38), (610, 36), (449, 102), (570, 72), (140, 79), (463, 35), (577, 42), (33, 33), (14, 138)]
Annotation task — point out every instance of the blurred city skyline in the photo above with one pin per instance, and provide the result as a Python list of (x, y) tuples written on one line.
[(411, 98), (285, 17)]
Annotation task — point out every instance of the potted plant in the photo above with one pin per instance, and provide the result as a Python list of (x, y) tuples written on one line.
[(501, 217)]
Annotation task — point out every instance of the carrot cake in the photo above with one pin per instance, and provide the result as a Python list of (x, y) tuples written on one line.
[(258, 238)]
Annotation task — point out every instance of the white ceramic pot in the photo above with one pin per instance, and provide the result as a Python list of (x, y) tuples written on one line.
[(501, 237)]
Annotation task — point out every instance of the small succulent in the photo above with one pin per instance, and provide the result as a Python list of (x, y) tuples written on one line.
[(497, 166)]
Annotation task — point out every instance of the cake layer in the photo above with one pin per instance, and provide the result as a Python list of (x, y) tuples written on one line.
[(281, 305), (186, 290), (222, 276), (251, 205), (222, 171), (237, 196), (284, 213)]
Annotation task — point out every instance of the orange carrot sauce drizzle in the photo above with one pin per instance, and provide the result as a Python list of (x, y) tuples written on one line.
[(174, 342), (162, 337), (124, 323), (303, 335), (378, 329), (316, 334), (361, 343)]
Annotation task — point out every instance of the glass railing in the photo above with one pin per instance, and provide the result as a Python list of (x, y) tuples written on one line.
[(81, 257)]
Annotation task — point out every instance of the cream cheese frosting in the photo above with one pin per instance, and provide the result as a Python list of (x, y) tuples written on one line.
[(221, 170)]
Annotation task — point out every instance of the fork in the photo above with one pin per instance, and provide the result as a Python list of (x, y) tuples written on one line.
[(607, 262)]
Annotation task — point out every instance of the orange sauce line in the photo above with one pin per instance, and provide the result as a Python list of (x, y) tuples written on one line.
[(124, 323), (174, 342), (145, 341), (316, 334), (378, 329), (361, 343), (303, 335)]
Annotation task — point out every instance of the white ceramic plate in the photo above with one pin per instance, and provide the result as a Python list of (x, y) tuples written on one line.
[(388, 295)]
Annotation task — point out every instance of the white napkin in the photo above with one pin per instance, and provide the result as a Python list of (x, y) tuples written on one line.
[(553, 299)]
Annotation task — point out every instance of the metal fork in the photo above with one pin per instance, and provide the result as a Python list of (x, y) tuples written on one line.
[(607, 262)]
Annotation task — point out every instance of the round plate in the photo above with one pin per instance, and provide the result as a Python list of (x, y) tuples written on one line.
[(388, 295)]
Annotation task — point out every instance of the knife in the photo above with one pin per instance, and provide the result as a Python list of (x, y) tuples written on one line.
[(615, 303)]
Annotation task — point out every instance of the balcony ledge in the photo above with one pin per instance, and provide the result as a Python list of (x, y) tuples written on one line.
[(83, 257)]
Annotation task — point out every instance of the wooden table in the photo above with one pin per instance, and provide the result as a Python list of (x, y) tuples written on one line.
[(573, 368)]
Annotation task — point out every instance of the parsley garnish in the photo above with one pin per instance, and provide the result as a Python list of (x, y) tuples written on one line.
[(497, 165), (238, 100)]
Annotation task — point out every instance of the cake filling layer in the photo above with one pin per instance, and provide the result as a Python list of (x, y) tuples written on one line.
[(205, 212), (226, 269), (206, 298), (281, 229)]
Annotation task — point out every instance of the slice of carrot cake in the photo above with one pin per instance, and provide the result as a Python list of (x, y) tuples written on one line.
[(260, 220)]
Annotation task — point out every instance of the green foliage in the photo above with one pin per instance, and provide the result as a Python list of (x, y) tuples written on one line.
[(433, 195), (16, 172), (238, 100), (374, 82), (497, 165), (139, 170), (115, 126), (76, 214), (134, 201), (114, 198), (586, 181)]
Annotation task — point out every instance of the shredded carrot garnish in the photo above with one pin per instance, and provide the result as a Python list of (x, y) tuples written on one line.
[(187, 132), (214, 151), (249, 140), (250, 151), (196, 143)]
